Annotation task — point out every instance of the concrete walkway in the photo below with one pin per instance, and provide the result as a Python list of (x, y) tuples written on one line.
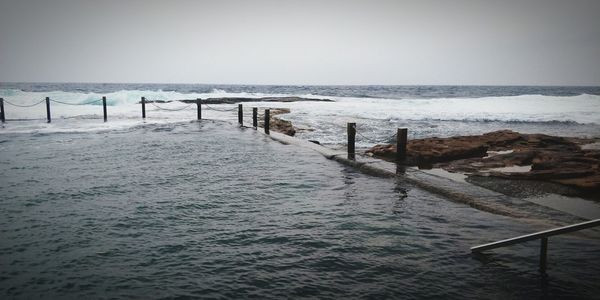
[(461, 192)]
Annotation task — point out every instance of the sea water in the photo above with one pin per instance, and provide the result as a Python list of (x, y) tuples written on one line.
[(206, 209), (173, 208), (378, 110)]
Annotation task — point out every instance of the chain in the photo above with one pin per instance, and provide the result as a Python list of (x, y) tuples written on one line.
[(19, 105), (170, 109), (222, 110), (371, 140), (76, 104)]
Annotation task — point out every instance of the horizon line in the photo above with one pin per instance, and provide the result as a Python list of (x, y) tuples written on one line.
[(315, 85)]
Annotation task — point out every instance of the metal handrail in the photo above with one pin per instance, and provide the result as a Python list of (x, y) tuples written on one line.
[(542, 235), (537, 235)]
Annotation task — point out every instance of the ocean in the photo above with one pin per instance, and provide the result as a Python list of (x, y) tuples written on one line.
[(173, 208), (378, 110)]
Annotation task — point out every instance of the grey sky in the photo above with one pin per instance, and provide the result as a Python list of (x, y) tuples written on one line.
[(302, 42)]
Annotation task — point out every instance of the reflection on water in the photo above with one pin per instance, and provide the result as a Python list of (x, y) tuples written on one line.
[(201, 210)]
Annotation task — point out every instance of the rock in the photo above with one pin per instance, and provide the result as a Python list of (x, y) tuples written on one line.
[(592, 154), (544, 174), (277, 124), (386, 151), (425, 152), (546, 142), (587, 183), (552, 159), (498, 140), (282, 126), (474, 165), (234, 100)]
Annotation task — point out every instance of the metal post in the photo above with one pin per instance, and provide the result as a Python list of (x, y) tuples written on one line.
[(2, 110), (240, 115), (267, 120), (543, 255), (199, 109), (351, 140), (104, 108), (255, 117), (401, 140), (143, 107), (48, 109)]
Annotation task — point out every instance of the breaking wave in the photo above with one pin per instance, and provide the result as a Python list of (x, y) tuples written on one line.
[(582, 109)]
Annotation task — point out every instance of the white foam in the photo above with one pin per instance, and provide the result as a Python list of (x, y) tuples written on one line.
[(530, 108), (328, 118)]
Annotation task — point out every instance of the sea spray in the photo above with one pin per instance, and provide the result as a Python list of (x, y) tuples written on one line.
[(566, 111)]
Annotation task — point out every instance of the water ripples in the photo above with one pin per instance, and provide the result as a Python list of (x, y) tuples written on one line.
[(203, 210)]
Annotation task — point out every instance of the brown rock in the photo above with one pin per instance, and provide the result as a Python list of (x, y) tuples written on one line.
[(282, 126), (428, 151), (474, 165), (544, 174), (499, 140), (278, 124), (552, 158), (587, 183), (386, 151)]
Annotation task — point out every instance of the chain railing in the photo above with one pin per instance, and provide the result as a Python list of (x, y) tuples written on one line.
[(399, 137)]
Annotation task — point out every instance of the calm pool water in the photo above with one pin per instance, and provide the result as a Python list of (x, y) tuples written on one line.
[(207, 210)]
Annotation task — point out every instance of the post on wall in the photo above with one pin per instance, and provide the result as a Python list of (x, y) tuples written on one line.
[(255, 117), (240, 115), (2, 110), (351, 140), (401, 141), (48, 110), (267, 120), (199, 108), (104, 108), (143, 107)]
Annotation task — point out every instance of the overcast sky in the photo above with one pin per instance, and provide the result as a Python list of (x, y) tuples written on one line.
[(528, 42)]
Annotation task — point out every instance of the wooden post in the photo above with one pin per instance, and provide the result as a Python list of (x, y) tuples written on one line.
[(199, 109), (240, 115), (351, 140), (267, 120), (401, 140), (543, 255), (104, 108), (143, 107), (255, 117), (48, 109), (2, 110)]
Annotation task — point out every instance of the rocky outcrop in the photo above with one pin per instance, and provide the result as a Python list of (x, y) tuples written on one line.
[(555, 159), (234, 100), (425, 152), (276, 123)]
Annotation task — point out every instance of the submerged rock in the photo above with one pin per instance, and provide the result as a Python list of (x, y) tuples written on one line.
[(278, 124), (234, 100)]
